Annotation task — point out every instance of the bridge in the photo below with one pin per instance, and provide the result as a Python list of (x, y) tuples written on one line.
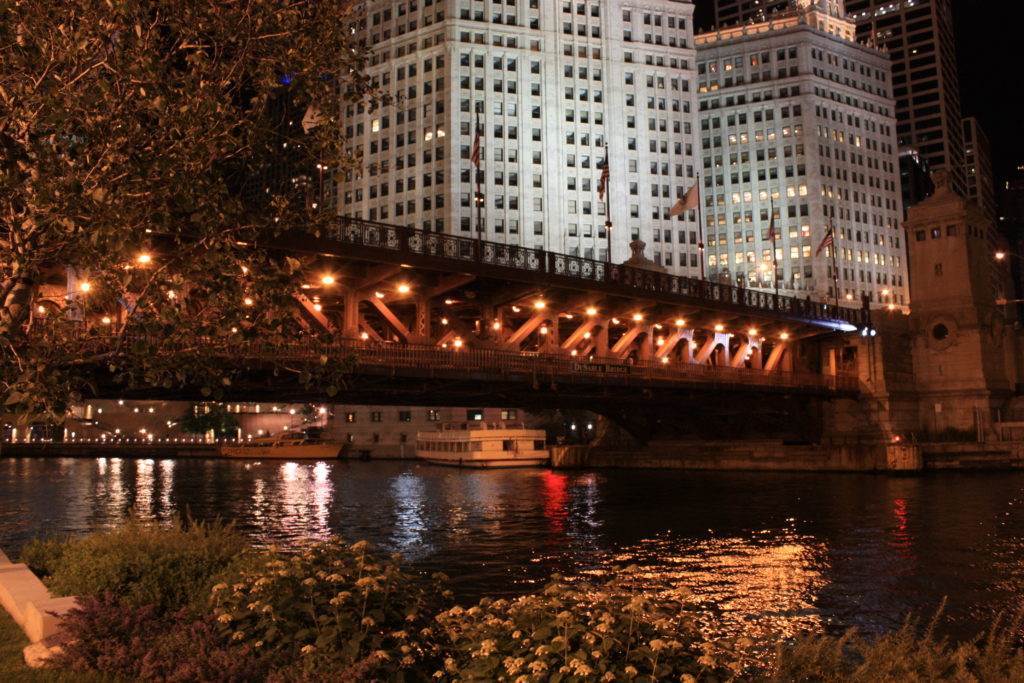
[(421, 303), (428, 318)]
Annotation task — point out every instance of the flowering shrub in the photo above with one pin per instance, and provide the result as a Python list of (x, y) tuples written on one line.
[(609, 632), (332, 604)]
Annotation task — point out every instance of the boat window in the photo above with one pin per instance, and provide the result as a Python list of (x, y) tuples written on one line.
[(538, 444), (474, 446), (508, 445)]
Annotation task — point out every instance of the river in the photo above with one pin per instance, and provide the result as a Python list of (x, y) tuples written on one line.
[(767, 553)]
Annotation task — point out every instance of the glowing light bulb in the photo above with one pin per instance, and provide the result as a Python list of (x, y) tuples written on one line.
[(539, 305), (591, 311), (680, 322), (379, 295), (106, 320), (719, 327), (752, 332), (638, 317), (327, 279), (364, 336), (317, 307), (85, 286), (404, 289), (248, 301), (457, 343), (784, 336)]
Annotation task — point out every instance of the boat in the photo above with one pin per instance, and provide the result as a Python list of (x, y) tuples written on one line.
[(483, 444), (287, 446)]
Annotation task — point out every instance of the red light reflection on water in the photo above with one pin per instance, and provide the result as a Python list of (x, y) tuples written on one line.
[(900, 536), (555, 491)]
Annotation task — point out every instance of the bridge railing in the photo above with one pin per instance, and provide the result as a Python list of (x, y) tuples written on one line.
[(431, 360), (402, 239)]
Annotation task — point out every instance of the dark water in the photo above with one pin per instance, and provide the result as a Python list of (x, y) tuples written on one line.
[(774, 553)]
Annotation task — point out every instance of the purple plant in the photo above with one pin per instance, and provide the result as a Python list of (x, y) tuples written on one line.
[(137, 642)]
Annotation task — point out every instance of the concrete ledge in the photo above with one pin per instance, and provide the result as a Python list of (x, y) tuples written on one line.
[(3, 559), (37, 655), (43, 617), (18, 587)]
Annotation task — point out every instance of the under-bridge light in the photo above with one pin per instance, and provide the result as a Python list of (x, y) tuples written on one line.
[(573, 352), (41, 310), (784, 336), (615, 321), (496, 325), (1000, 255), (379, 295), (680, 322), (327, 279), (247, 301), (719, 327), (403, 289), (449, 302), (457, 343), (364, 336), (591, 311), (892, 307), (539, 305), (444, 321), (544, 329), (144, 258), (105, 320), (849, 297), (664, 360), (638, 317), (693, 345), (661, 341), (586, 335), (317, 307), (752, 332)]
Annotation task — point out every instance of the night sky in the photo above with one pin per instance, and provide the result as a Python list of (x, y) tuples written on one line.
[(988, 34)]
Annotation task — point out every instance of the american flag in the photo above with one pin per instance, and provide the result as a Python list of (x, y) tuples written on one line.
[(474, 158), (771, 229), (602, 184), (827, 242)]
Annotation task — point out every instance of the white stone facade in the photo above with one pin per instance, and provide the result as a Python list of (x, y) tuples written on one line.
[(797, 117), (553, 82)]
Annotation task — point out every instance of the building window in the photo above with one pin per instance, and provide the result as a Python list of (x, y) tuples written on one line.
[(510, 414), (376, 416), (433, 416), (475, 415), (350, 417), (405, 416)]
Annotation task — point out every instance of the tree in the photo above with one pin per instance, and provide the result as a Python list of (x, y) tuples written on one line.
[(129, 135), (202, 418)]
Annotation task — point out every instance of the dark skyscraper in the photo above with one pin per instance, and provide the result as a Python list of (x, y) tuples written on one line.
[(918, 35)]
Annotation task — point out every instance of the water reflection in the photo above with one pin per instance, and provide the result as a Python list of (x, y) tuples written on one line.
[(767, 553)]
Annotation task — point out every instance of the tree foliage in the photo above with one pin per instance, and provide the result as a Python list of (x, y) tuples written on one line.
[(134, 129)]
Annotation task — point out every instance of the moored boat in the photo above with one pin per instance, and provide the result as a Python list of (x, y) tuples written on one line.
[(286, 446), (483, 444)]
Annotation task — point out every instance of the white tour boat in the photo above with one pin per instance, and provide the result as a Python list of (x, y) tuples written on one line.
[(286, 446), (483, 444)]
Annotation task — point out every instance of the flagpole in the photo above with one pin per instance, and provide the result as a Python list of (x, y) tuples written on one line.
[(700, 231), (478, 196), (835, 269), (775, 237), (606, 178)]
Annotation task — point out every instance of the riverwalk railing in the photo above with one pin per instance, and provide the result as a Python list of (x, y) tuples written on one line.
[(639, 282), (433, 361)]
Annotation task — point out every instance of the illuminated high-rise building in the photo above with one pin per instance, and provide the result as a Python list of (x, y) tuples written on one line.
[(554, 88), (797, 118)]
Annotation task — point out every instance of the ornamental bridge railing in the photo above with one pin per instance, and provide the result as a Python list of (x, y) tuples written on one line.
[(583, 271), (486, 365)]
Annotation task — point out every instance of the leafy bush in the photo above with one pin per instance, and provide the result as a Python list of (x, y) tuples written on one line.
[(610, 632), (44, 554), (139, 643), (332, 608), (903, 655), (144, 563)]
